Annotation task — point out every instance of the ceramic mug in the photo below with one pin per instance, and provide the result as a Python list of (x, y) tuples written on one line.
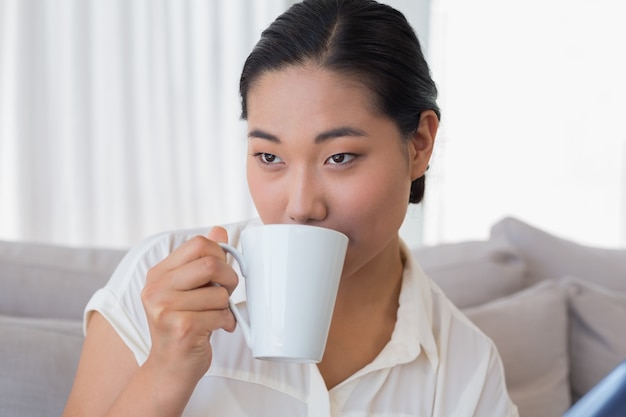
[(292, 274)]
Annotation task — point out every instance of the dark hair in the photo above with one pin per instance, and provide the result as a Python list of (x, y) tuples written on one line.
[(369, 41)]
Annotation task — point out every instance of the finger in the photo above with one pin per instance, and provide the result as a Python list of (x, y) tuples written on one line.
[(195, 248), (169, 310), (201, 299), (216, 319), (198, 247), (202, 272), (218, 234), (185, 327)]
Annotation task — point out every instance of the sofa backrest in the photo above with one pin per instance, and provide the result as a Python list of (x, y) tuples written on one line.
[(44, 280), (551, 257)]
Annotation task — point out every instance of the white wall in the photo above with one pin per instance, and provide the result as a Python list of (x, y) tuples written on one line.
[(533, 96)]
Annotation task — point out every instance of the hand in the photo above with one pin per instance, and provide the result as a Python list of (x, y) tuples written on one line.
[(185, 299)]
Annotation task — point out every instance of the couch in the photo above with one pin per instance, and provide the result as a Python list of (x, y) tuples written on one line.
[(555, 309)]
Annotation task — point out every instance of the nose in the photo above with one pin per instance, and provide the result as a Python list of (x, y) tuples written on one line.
[(306, 198)]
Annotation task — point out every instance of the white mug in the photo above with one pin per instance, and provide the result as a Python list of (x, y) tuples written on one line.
[(292, 275)]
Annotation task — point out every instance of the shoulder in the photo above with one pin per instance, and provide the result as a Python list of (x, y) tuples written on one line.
[(445, 321), (152, 250), (467, 365), (120, 299), (469, 362)]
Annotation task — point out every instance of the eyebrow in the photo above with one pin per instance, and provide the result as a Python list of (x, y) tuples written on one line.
[(324, 136)]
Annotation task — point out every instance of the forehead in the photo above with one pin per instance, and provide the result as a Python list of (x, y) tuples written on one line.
[(305, 102), (303, 88)]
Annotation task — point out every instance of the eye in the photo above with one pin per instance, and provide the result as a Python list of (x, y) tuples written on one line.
[(341, 159), (267, 158)]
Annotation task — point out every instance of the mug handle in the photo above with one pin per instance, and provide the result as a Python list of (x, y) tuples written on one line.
[(245, 326)]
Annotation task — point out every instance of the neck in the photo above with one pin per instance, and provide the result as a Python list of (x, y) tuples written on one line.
[(364, 316), (375, 284)]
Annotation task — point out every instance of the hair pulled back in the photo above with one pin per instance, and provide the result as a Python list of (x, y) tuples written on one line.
[(362, 39)]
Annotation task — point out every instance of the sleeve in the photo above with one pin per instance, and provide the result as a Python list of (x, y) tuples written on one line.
[(487, 392), (119, 301)]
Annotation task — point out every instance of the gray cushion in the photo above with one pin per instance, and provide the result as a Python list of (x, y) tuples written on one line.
[(529, 329), (38, 360), (40, 280), (597, 332), (473, 272)]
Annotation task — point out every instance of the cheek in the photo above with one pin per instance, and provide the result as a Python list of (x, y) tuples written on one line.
[(371, 216), (376, 206), (268, 195), (258, 192)]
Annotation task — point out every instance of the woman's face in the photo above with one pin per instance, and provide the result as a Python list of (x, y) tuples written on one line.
[(318, 154)]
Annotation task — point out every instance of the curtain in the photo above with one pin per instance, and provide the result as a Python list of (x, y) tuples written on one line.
[(533, 96), (119, 119)]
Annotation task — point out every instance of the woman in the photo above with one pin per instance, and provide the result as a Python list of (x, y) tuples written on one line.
[(342, 118)]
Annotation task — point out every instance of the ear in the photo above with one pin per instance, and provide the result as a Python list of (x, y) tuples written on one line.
[(422, 143)]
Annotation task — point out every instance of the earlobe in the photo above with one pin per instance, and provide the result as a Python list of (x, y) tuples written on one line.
[(423, 142)]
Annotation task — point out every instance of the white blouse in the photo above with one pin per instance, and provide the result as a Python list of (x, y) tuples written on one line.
[(437, 362)]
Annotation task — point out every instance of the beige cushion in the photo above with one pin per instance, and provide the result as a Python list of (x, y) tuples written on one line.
[(597, 332), (530, 331), (474, 272), (38, 360), (550, 257), (40, 280)]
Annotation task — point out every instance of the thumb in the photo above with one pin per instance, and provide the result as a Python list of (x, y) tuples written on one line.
[(218, 234)]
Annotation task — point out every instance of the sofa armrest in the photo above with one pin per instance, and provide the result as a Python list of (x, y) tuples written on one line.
[(45, 280)]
